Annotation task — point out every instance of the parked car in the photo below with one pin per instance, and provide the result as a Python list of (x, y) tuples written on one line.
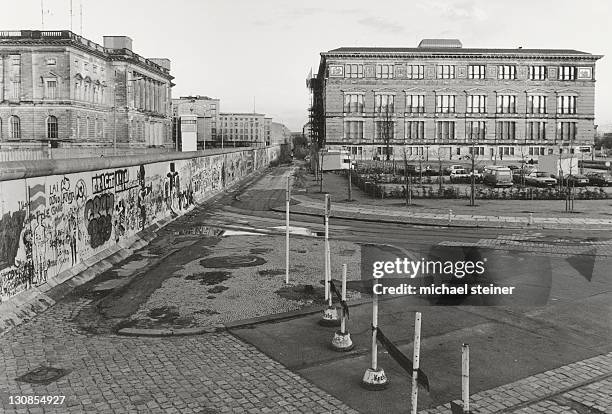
[(513, 167), (448, 170), (478, 174), (540, 179), (575, 180), (599, 178), (497, 176), (460, 176)]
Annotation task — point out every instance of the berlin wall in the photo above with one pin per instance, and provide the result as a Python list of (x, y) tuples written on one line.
[(58, 213)]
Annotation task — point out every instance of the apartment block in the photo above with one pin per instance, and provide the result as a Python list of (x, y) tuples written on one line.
[(443, 101)]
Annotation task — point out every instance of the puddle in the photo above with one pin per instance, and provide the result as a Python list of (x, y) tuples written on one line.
[(301, 231), (271, 272), (232, 262), (164, 314), (208, 312), (218, 289), (307, 293), (108, 285), (210, 278), (260, 250), (199, 231), (129, 268)]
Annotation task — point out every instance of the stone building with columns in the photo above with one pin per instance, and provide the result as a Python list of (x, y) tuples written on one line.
[(61, 90), (440, 100)]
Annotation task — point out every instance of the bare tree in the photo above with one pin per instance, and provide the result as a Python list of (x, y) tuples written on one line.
[(386, 129)]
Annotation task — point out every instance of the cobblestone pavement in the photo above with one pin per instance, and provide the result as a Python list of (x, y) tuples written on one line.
[(213, 373), (244, 291), (584, 387)]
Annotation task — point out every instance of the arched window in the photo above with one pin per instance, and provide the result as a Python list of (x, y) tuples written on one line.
[(52, 127), (15, 127)]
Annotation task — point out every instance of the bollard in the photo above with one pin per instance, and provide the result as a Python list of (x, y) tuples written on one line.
[(342, 339), (415, 362), (330, 313), (450, 216), (465, 377), (530, 219), (374, 378)]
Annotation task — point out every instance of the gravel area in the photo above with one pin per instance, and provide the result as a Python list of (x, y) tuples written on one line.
[(244, 277)]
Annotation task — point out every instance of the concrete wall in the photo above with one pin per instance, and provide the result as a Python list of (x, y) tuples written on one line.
[(56, 214)]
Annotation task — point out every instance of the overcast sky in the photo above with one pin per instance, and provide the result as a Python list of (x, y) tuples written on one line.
[(237, 50)]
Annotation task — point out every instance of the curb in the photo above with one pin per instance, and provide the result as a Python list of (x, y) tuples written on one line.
[(142, 332), (242, 323), (443, 222)]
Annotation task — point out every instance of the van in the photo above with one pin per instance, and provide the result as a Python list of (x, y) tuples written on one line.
[(497, 176)]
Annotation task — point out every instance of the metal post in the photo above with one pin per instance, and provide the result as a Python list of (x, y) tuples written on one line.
[(350, 172), (415, 361), (287, 199), (374, 326), (327, 259), (465, 377), (343, 320)]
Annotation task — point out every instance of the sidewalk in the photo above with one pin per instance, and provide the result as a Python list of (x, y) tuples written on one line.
[(582, 387), (431, 212)]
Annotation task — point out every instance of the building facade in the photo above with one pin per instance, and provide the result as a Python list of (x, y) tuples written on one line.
[(280, 134), (442, 101), (207, 112), (62, 90), (243, 129)]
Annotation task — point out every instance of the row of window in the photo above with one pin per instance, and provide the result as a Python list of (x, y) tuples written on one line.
[(475, 104), (478, 150), (14, 127), (445, 130), (504, 72)]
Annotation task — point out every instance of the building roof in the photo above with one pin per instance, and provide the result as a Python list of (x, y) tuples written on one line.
[(454, 43), (450, 50)]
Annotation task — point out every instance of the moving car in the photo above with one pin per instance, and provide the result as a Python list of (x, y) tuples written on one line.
[(460, 176), (540, 179), (497, 176), (599, 178)]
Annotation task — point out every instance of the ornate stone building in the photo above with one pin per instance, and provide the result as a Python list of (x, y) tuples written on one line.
[(440, 100), (59, 89)]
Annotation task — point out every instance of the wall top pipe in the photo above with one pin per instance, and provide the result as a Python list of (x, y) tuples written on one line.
[(15, 170)]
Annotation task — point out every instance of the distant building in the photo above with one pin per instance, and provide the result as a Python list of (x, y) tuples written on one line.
[(242, 129), (280, 134), (440, 100), (62, 90), (268, 130), (206, 111)]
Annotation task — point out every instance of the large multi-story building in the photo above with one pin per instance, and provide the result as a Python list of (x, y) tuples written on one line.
[(206, 111), (242, 129), (280, 134), (62, 90), (440, 100)]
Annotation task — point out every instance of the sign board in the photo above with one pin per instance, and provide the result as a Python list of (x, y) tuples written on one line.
[(335, 160)]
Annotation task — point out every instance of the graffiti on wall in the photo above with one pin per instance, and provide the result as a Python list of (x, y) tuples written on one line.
[(57, 222)]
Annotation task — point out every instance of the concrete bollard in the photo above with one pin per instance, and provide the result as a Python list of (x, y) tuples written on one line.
[(330, 317), (342, 339), (450, 216), (530, 219)]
